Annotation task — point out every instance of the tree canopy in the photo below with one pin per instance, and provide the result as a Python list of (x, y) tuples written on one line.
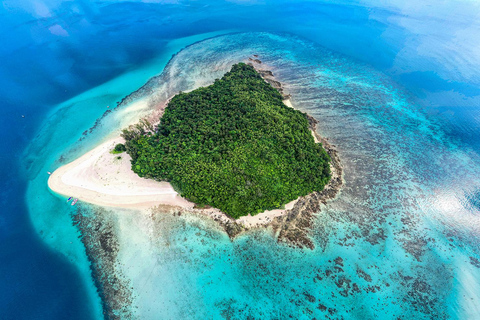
[(232, 145), (119, 148)]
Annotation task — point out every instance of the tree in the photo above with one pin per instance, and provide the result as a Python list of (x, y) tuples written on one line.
[(233, 145)]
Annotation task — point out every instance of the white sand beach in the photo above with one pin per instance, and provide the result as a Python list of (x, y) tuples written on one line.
[(100, 178)]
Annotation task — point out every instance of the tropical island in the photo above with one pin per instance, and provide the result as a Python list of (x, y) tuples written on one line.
[(233, 145), (236, 152)]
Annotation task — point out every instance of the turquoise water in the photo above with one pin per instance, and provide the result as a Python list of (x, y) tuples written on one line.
[(393, 224), (61, 139), (398, 98)]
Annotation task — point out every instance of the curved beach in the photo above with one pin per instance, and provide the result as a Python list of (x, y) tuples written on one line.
[(100, 178)]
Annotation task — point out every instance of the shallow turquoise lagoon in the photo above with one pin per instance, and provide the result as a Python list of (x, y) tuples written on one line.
[(392, 244), (398, 98)]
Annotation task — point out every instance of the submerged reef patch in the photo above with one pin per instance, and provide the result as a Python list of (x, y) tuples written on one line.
[(101, 244)]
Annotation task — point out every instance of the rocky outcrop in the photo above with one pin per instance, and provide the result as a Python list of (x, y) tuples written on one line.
[(267, 75), (255, 60)]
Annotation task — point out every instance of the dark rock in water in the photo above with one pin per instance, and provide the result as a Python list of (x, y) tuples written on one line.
[(312, 122), (355, 289), (421, 286), (364, 275), (233, 229), (294, 226), (332, 311), (309, 297), (322, 307), (277, 85), (339, 261), (415, 246), (255, 60), (265, 73), (475, 262), (338, 269)]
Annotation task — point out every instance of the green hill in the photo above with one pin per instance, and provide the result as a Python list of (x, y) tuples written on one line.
[(232, 145)]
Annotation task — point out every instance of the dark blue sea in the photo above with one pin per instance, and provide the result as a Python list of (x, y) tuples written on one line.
[(395, 86)]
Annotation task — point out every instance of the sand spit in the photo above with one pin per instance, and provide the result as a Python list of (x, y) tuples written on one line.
[(105, 179)]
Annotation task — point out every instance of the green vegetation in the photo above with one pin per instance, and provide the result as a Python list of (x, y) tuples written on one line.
[(119, 148), (233, 145)]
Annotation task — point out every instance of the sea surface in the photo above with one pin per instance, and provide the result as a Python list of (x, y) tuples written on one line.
[(396, 87)]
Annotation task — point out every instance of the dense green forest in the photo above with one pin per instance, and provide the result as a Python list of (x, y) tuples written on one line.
[(233, 145)]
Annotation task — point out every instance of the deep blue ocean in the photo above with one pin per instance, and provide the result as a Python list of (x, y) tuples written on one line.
[(397, 85)]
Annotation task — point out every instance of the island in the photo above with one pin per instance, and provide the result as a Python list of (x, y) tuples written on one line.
[(236, 152), (233, 145)]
